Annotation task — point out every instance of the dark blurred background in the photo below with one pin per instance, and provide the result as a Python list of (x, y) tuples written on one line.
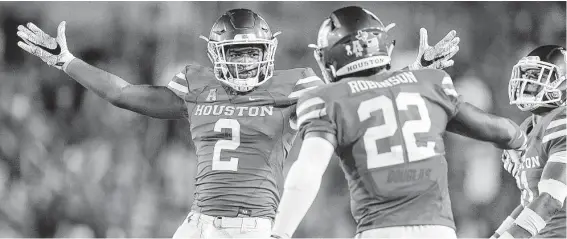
[(72, 165)]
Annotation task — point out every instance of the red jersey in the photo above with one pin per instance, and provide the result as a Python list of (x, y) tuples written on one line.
[(241, 140), (389, 130), (544, 139)]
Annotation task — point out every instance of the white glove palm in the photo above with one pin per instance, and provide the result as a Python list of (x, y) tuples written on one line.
[(51, 50), (438, 56)]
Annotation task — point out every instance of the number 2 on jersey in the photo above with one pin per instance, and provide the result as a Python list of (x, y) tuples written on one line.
[(232, 144), (390, 126)]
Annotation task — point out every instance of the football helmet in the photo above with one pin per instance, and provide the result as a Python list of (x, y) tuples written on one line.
[(537, 83), (351, 40), (241, 27)]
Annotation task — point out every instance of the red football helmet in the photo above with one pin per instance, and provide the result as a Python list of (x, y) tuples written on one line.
[(351, 40), (245, 28), (538, 81)]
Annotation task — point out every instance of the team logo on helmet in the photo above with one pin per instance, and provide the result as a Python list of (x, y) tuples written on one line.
[(365, 42)]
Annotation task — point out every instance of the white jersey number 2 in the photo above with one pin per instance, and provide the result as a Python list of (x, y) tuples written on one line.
[(232, 144)]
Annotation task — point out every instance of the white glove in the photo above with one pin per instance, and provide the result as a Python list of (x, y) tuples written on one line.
[(438, 56), (51, 50), (512, 161)]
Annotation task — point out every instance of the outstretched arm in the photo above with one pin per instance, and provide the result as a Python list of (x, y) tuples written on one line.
[(153, 101), (158, 102), (472, 122)]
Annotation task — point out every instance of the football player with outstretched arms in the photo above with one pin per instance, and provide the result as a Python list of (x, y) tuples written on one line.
[(386, 127), (240, 111), (538, 85)]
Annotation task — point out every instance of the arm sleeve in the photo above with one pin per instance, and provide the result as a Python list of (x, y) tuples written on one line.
[(450, 95), (443, 90), (179, 85), (553, 139), (314, 120), (307, 82), (553, 179)]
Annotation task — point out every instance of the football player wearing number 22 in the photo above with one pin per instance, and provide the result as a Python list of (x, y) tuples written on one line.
[(386, 127), (241, 114)]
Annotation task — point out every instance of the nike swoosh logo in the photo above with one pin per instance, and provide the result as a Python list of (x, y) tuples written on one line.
[(250, 98), (55, 51), (427, 63)]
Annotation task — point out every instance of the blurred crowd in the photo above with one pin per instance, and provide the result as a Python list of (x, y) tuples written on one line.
[(72, 165)]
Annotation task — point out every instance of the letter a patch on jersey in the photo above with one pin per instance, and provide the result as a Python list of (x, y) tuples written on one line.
[(212, 95)]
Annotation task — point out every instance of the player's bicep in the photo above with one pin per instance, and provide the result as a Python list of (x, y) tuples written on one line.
[(315, 154), (554, 177), (154, 101)]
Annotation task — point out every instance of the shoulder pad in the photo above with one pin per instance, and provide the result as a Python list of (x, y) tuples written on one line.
[(437, 77), (327, 92), (556, 126), (296, 82), (429, 74), (288, 77), (198, 76)]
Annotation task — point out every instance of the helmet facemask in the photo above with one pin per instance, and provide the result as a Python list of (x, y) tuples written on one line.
[(534, 84), (227, 71)]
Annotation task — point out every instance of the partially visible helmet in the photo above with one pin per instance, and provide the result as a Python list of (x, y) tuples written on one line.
[(246, 28), (538, 82), (351, 40)]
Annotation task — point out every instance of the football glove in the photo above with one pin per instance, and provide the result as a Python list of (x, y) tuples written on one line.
[(51, 50), (511, 160), (438, 56)]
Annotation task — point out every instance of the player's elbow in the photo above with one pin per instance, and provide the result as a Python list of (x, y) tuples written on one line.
[(115, 97)]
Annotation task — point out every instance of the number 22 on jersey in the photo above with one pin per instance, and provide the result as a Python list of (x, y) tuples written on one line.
[(390, 127), (232, 144)]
